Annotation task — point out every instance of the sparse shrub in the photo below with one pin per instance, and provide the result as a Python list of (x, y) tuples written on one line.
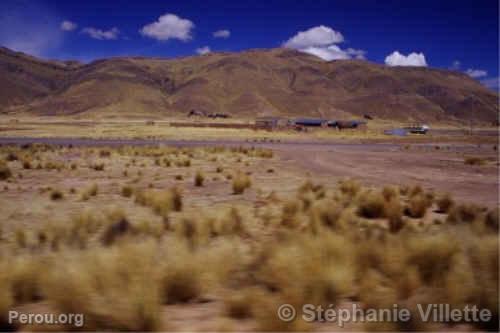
[(104, 153), (98, 282), (349, 187), (180, 278), (5, 172), (464, 213), (56, 194), (417, 205), (6, 297), (473, 160), (198, 179), (98, 166), (127, 191), (162, 202), (415, 190), (444, 203), (178, 177), (240, 183), (219, 169), (21, 238), (26, 164), (270, 170), (389, 193), (90, 192), (491, 219), (118, 227), (239, 304), (393, 211), (11, 156), (371, 205), (26, 273)]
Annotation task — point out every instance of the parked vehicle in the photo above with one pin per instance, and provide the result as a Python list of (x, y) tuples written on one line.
[(417, 128)]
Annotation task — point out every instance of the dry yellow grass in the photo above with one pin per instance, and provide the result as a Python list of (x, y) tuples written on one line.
[(176, 245)]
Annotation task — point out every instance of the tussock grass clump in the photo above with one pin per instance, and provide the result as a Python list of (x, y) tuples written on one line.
[(91, 191), (5, 171), (118, 226), (328, 259), (26, 164), (6, 298), (389, 193), (473, 160), (464, 213), (26, 274), (127, 191), (116, 288), (417, 205), (241, 182), (239, 304), (104, 153), (162, 202), (444, 203), (198, 179), (98, 166), (393, 211), (181, 277), (371, 205), (491, 219), (349, 187), (56, 195)]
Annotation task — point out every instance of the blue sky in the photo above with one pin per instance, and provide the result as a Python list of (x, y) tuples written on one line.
[(437, 33)]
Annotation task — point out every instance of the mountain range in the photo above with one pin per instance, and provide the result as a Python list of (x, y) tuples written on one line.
[(279, 82)]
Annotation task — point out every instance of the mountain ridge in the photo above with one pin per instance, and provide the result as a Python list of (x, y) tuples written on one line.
[(249, 83)]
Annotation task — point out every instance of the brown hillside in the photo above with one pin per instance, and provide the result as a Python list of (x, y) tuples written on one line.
[(246, 84)]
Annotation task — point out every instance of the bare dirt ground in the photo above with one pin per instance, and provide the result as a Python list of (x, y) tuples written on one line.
[(435, 166), (442, 169)]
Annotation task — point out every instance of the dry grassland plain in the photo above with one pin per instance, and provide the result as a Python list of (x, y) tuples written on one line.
[(215, 237)]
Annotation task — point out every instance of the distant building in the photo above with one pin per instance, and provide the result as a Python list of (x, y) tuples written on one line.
[(270, 122), (311, 122)]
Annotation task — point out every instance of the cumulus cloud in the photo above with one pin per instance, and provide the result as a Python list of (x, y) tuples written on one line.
[(334, 52), (317, 36), (101, 34), (476, 73), (321, 41), (222, 33), (203, 50), (412, 59), (68, 25), (169, 26)]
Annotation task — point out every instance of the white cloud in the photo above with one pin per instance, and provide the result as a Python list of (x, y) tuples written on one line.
[(317, 36), (68, 25), (101, 34), (203, 50), (169, 26), (476, 73), (492, 83), (222, 33), (412, 59), (333, 52), (321, 41)]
